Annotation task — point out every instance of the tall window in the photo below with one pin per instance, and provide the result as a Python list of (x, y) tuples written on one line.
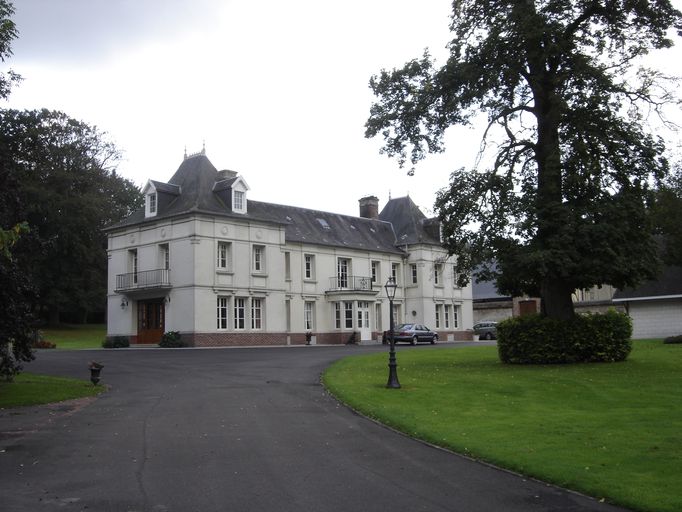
[(132, 264), (309, 266), (438, 309), (342, 271), (337, 315), (256, 314), (152, 203), (455, 317), (287, 266), (375, 272), (447, 316), (437, 269), (413, 270), (455, 276), (258, 258), (395, 272), (164, 256), (239, 313), (348, 314), (309, 316), (238, 200), (223, 259), (222, 313)]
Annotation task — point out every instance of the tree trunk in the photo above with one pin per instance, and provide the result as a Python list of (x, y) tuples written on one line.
[(557, 299)]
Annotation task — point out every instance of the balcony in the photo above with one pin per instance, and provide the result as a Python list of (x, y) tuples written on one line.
[(144, 280), (350, 283)]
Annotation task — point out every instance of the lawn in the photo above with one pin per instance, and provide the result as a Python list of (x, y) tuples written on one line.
[(611, 431), (73, 337), (30, 389)]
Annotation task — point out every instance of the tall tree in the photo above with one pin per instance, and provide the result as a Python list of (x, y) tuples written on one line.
[(8, 32), (562, 205), (666, 211), (58, 174)]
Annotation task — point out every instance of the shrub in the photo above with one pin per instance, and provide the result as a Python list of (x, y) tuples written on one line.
[(171, 339), (116, 342), (39, 341), (673, 339), (535, 339)]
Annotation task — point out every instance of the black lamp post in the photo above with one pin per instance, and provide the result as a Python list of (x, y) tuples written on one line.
[(391, 287)]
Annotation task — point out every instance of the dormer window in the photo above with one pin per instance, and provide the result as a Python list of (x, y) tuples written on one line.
[(152, 203), (239, 200)]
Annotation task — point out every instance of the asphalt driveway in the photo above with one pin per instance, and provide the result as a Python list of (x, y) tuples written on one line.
[(234, 430)]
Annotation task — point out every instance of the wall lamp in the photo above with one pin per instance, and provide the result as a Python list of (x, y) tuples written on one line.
[(124, 303)]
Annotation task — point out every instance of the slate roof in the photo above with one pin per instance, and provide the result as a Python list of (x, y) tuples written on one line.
[(193, 188), (408, 222), (669, 284)]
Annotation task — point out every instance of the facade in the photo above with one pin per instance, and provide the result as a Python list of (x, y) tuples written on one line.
[(204, 259), (655, 306)]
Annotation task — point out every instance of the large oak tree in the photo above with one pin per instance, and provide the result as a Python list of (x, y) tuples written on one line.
[(562, 205)]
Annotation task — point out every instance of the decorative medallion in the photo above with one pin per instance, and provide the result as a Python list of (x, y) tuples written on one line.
[(132, 238), (223, 230), (259, 234), (163, 232)]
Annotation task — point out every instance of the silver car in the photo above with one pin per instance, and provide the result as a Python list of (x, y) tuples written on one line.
[(486, 330), (412, 333)]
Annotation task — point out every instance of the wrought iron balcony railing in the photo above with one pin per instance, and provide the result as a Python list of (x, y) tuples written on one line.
[(158, 278), (353, 283)]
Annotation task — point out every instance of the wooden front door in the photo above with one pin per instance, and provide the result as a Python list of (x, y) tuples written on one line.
[(150, 320)]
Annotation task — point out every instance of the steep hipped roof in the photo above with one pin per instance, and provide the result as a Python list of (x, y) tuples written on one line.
[(197, 182), (409, 223), (668, 285)]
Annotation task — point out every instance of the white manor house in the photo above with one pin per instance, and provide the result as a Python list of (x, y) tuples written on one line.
[(203, 259)]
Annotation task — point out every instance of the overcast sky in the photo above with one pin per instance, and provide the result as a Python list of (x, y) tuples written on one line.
[(278, 91)]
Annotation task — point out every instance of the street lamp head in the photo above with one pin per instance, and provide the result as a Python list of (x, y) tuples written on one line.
[(390, 287)]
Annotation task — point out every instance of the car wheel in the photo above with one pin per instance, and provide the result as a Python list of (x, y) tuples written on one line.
[(434, 339), (415, 340), (488, 336)]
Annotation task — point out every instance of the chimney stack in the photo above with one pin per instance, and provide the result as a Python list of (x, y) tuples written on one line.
[(226, 174), (369, 207)]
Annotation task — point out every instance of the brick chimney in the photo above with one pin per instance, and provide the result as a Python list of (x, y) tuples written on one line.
[(369, 207)]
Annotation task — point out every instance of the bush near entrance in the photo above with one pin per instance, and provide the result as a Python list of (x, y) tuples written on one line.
[(535, 339)]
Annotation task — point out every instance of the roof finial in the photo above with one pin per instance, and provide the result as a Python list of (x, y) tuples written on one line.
[(203, 147), (389, 194), (185, 158)]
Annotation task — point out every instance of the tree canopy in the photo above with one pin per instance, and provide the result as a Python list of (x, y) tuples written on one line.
[(58, 174), (562, 205)]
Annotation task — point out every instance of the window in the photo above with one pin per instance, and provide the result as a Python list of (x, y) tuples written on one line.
[(239, 313), (447, 316), (238, 200), (455, 276), (309, 316), (375, 272), (455, 317), (309, 266), (436, 274), (337, 315), (438, 315), (152, 203), (258, 258), (342, 271), (395, 271), (287, 266), (256, 314), (348, 314), (223, 259), (222, 312), (413, 269), (132, 264), (164, 256)]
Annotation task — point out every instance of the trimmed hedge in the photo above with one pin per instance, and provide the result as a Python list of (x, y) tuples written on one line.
[(171, 339), (671, 340), (536, 339)]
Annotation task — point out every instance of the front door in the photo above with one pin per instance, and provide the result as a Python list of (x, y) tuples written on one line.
[(150, 320)]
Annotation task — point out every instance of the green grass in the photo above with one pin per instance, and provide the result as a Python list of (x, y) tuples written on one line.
[(612, 431), (31, 389), (74, 337)]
